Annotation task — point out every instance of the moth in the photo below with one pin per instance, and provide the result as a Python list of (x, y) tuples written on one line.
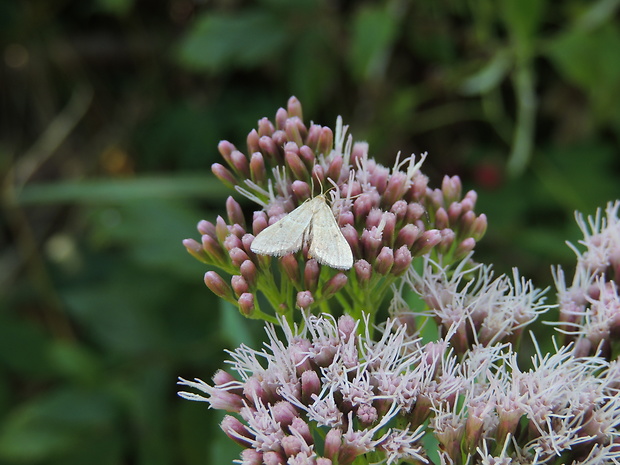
[(311, 223)]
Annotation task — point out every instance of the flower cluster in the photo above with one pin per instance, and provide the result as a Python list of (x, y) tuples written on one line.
[(388, 217), (590, 305), (327, 395)]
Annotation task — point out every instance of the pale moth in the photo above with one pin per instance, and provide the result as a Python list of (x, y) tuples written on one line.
[(311, 223)]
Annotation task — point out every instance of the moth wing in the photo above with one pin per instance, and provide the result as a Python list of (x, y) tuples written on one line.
[(327, 244), (286, 235)]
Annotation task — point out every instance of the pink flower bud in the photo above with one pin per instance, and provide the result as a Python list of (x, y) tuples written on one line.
[(396, 186), (239, 285), (441, 218), (399, 209), (311, 275), (350, 234), (333, 444), (231, 242), (304, 299), (249, 273), (240, 163), (385, 261), (251, 457), (363, 271), (326, 141), (265, 127), (279, 139), (221, 229), (291, 267), (301, 190), (206, 227), (415, 211), (359, 150), (281, 117), (312, 141), (334, 285), (389, 226), (295, 130), (346, 218), (454, 213), (335, 168), (273, 458), (296, 166), (258, 173), (252, 140), (362, 206), (402, 260), (269, 149), (407, 235), (451, 188), (195, 249), (259, 222), (218, 286), (291, 445), (346, 327), (236, 431), (283, 412), (294, 107), (371, 241), (226, 148), (479, 227), (318, 175), (246, 304), (223, 174), (447, 239), (426, 242), (307, 155), (238, 256), (302, 428), (466, 246), (213, 249)]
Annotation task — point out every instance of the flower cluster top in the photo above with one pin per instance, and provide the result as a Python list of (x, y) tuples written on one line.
[(388, 217)]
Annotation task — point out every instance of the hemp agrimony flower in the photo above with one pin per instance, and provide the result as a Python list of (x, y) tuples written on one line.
[(388, 217)]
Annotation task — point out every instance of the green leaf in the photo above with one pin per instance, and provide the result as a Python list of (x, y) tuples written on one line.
[(218, 42), (54, 424), (374, 31)]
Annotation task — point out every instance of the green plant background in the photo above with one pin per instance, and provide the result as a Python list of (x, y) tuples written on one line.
[(110, 115)]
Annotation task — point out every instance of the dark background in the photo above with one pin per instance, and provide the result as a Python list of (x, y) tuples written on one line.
[(110, 115)]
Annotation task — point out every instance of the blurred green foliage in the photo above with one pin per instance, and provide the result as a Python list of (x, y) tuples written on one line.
[(110, 113)]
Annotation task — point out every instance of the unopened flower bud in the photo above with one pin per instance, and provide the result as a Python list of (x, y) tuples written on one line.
[(239, 285), (311, 274), (206, 227), (326, 141), (226, 148), (402, 260), (301, 190), (269, 149), (283, 412), (362, 206), (281, 117), (454, 212), (293, 107), (441, 218), (246, 304), (273, 458), (333, 443), (240, 163), (371, 241), (252, 140), (335, 168), (291, 445), (304, 299), (258, 173), (346, 327), (467, 223), (295, 130), (236, 431), (426, 242), (466, 246), (296, 166), (451, 188), (447, 239), (363, 271), (213, 249), (265, 127), (195, 250), (249, 272), (407, 235), (346, 217), (350, 234), (396, 187), (291, 267), (359, 151), (238, 256), (479, 227), (223, 174), (415, 211), (231, 242), (279, 139), (389, 225), (399, 208), (312, 141), (302, 428), (218, 286), (385, 261), (334, 285), (307, 155), (318, 175), (251, 457), (374, 218)]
